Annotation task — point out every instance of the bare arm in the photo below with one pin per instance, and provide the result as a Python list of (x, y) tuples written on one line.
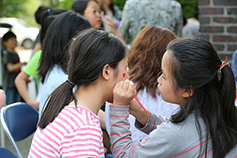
[(2, 98), (21, 84), (37, 48), (13, 67)]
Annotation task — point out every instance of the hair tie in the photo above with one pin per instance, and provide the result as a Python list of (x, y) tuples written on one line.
[(49, 10), (71, 83), (223, 65)]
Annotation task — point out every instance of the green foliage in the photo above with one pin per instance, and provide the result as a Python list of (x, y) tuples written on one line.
[(23, 9), (190, 8), (12, 8), (66, 4), (119, 3)]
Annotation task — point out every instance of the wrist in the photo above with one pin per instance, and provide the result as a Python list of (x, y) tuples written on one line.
[(141, 116)]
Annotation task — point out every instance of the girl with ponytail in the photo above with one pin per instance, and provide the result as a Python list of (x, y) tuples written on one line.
[(69, 125), (194, 77)]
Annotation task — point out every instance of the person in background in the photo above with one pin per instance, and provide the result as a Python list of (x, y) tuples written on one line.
[(191, 27), (89, 9), (55, 54), (138, 14), (69, 126), (31, 68), (108, 8), (144, 64), (194, 77), (38, 13), (11, 67)]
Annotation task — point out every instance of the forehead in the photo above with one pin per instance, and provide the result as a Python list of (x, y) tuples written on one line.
[(92, 4), (166, 60)]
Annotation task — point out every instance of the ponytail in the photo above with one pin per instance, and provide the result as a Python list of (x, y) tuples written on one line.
[(197, 66), (224, 138), (61, 97)]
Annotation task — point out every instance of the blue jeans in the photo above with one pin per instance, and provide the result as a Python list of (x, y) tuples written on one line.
[(12, 95)]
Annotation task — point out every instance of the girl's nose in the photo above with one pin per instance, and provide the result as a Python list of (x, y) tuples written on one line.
[(159, 80)]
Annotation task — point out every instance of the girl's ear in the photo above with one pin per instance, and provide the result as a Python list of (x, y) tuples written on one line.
[(106, 72), (187, 93)]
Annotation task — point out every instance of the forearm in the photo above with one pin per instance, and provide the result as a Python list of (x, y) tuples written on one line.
[(21, 85), (13, 67), (138, 112), (120, 134)]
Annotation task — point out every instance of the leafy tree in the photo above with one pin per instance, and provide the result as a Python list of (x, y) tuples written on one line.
[(190, 8), (119, 3), (66, 4)]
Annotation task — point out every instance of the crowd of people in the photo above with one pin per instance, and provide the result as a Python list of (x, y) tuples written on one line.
[(163, 95)]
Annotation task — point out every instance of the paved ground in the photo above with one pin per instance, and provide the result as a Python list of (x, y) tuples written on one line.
[(23, 145)]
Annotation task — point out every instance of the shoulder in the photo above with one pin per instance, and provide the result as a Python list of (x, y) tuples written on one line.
[(176, 4), (81, 120)]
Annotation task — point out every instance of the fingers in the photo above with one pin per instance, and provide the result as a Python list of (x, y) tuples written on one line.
[(108, 18), (123, 92)]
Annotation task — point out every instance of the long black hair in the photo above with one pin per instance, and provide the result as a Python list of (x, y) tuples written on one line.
[(111, 7), (46, 18), (56, 42), (90, 52), (195, 65)]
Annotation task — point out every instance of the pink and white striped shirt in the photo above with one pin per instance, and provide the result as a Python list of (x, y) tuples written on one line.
[(75, 132)]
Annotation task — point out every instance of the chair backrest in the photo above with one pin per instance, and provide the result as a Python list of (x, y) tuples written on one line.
[(19, 120), (5, 153)]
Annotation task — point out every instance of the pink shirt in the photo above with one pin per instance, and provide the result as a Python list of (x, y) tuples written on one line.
[(75, 132)]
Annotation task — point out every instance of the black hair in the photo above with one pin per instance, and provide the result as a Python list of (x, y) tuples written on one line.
[(46, 18), (56, 42), (184, 20), (7, 36), (195, 65), (90, 52), (39, 12), (111, 7), (79, 6)]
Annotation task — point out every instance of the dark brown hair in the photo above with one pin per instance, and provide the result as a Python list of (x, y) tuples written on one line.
[(144, 58)]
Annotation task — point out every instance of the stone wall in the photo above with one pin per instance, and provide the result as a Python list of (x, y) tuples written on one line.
[(218, 19)]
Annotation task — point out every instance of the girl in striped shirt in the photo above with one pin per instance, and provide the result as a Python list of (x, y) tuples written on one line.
[(69, 125)]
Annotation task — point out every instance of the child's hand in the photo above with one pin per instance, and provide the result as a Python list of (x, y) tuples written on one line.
[(111, 24), (123, 92), (24, 63)]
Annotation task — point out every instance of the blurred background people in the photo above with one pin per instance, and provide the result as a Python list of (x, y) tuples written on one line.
[(191, 27), (111, 11), (38, 13), (138, 14), (89, 9), (31, 68), (11, 67), (55, 53)]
